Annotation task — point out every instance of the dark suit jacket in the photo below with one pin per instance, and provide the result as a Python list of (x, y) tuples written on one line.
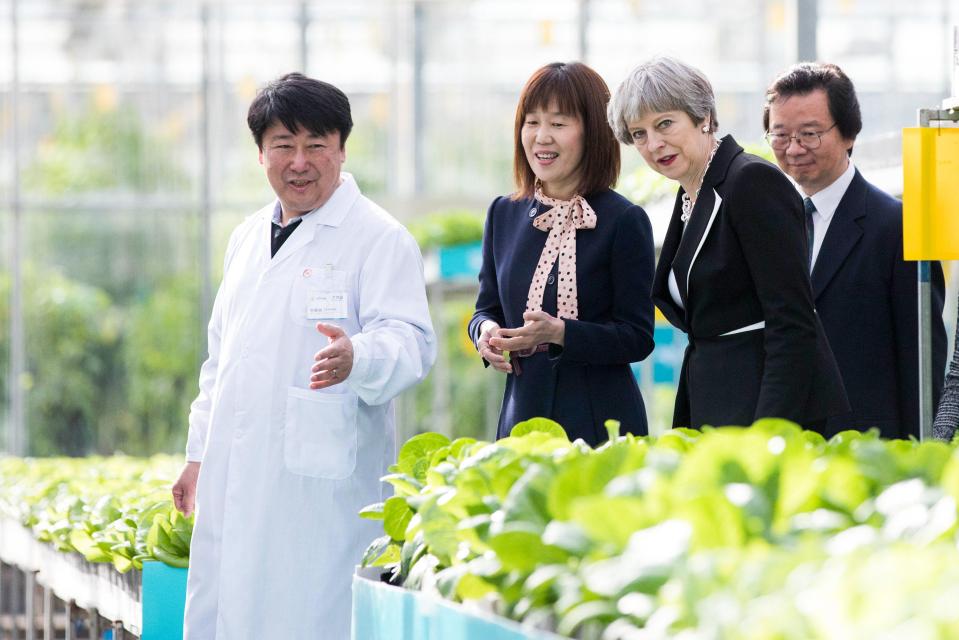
[(742, 261), (589, 380), (866, 297)]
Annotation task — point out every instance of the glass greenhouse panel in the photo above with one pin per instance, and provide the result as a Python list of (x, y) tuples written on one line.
[(112, 329)]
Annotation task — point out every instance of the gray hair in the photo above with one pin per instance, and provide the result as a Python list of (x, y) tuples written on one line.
[(657, 85)]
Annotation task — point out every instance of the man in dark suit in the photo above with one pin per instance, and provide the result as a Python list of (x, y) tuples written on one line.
[(865, 293)]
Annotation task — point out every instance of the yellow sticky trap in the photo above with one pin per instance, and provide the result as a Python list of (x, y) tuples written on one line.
[(930, 198)]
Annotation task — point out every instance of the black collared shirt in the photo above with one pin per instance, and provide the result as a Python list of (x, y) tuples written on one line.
[(280, 234)]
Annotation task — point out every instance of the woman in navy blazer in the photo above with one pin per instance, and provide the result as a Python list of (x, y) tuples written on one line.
[(733, 271), (567, 267)]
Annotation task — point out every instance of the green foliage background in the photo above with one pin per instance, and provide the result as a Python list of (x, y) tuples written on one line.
[(110, 366), (102, 149)]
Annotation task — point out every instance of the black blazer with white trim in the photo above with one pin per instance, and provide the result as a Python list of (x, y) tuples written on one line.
[(756, 348)]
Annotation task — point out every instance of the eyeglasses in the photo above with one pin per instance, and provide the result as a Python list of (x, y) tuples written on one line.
[(806, 139)]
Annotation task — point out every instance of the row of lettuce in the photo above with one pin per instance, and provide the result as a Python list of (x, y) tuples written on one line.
[(108, 509), (760, 532), (764, 532)]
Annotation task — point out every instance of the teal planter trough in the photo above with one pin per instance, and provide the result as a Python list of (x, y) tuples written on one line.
[(164, 596), (385, 612)]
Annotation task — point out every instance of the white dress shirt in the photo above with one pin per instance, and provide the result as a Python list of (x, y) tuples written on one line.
[(826, 202), (673, 285)]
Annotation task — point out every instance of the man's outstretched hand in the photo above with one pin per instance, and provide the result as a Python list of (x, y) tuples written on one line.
[(334, 362)]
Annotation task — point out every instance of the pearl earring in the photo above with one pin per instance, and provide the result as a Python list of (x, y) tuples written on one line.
[(705, 128)]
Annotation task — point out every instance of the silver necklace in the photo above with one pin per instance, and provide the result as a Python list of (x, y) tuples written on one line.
[(687, 204)]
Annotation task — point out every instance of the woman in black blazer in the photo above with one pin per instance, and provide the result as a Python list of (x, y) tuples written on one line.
[(733, 271), (567, 267)]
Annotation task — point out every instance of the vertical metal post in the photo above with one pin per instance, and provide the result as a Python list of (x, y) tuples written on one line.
[(924, 305), (17, 596), (304, 24), (419, 94), (952, 102), (16, 435), (15, 599), (955, 67), (48, 632), (808, 17), (924, 314), (94, 624), (803, 15), (926, 372), (583, 29), (206, 187), (68, 610), (441, 369), (392, 141), (30, 605), (923, 271)]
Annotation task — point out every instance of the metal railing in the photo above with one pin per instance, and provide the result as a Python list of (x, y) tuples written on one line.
[(48, 594)]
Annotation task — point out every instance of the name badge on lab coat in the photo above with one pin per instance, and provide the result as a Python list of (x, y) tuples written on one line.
[(326, 304)]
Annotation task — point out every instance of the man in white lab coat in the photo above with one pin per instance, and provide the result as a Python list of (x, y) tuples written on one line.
[(321, 319)]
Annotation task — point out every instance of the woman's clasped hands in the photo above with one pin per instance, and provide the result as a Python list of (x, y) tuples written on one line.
[(538, 328)]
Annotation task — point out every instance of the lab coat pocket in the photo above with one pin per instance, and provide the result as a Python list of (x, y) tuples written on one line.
[(320, 433)]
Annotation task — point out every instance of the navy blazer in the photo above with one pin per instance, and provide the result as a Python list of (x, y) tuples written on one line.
[(866, 297), (589, 380), (756, 348)]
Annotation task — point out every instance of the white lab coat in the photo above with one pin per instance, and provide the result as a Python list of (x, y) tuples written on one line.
[(286, 469)]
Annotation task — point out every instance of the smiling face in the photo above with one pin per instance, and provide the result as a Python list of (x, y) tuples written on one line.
[(303, 168), (812, 169), (553, 142), (673, 145)]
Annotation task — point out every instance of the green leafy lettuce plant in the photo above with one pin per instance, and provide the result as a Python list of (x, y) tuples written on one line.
[(115, 509), (726, 533)]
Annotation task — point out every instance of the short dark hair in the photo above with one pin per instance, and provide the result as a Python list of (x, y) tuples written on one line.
[(804, 78), (576, 90), (296, 100)]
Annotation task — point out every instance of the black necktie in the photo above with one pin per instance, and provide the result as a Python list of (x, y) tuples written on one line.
[(810, 230), (280, 234)]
